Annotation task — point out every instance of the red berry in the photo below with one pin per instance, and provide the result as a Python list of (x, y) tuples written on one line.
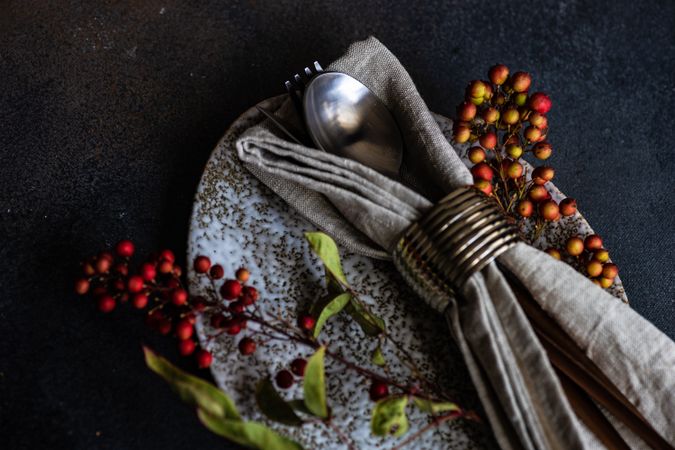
[(482, 171), (186, 347), (230, 290), (306, 322), (217, 321), (106, 255), (82, 286), (284, 379), (593, 242), (237, 307), (243, 274), (88, 269), (140, 301), (125, 248), (575, 246), (165, 266), (167, 255), (148, 271), (177, 271), (103, 265), (498, 74), (466, 111), (99, 291), (164, 326), (121, 268), (549, 210), (217, 272), (202, 264), (378, 390), (542, 174), (135, 284), (484, 186), (106, 303), (540, 103), (184, 330), (488, 140), (118, 285), (568, 207), (179, 297), (490, 115), (251, 294), (525, 208), (520, 81), (233, 329), (173, 283), (204, 359), (298, 366), (246, 346)]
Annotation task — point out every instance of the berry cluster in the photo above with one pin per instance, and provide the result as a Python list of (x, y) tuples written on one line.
[(505, 123), (589, 255), (157, 286)]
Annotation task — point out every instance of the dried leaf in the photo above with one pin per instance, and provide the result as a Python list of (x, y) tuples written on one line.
[(273, 406), (332, 308), (369, 323), (389, 418), (191, 389), (314, 385), (250, 434)]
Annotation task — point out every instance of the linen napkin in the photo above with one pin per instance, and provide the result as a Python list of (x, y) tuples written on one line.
[(366, 212)]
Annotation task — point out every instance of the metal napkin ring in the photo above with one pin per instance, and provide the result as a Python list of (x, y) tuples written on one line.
[(459, 236)]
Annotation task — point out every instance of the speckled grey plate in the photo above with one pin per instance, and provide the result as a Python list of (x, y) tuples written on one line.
[(237, 221)]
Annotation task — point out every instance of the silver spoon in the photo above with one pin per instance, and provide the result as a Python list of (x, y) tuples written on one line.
[(346, 118)]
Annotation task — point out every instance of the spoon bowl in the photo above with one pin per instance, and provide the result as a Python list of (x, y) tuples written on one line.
[(346, 118)]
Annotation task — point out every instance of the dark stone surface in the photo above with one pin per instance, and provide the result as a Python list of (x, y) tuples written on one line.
[(110, 110)]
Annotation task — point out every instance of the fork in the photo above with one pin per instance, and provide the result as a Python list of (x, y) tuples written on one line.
[(296, 85)]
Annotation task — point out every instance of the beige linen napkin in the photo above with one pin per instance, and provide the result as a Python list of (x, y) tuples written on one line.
[(366, 212)]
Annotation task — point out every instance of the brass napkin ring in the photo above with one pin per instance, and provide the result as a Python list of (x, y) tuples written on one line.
[(459, 236)]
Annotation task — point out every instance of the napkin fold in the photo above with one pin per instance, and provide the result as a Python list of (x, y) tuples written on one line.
[(366, 212)]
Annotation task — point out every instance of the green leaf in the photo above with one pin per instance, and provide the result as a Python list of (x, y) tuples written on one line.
[(299, 405), (332, 308), (191, 389), (377, 357), (273, 406), (314, 386), (430, 407), (389, 417), (250, 434), (326, 249), (369, 323)]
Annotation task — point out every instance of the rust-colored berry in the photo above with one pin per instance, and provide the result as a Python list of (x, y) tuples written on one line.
[(610, 270), (167, 255), (488, 140), (165, 266), (606, 282), (243, 275), (237, 307), (306, 322), (102, 265), (476, 89), (538, 120), (482, 171), (202, 264), (462, 134), (217, 272), (542, 150), (184, 329), (284, 379), (520, 81), (593, 242), (594, 268), (233, 328), (476, 155), (525, 208), (179, 297), (554, 252), (186, 347), (549, 210), (246, 346), (298, 366), (510, 116), (466, 111), (574, 246), (541, 175), (532, 134), (125, 249), (88, 269), (106, 303), (231, 289), (498, 74), (203, 358), (490, 115), (217, 321), (484, 186), (135, 284), (378, 390), (82, 286), (568, 207), (250, 295), (514, 170), (601, 255), (540, 103), (538, 194)]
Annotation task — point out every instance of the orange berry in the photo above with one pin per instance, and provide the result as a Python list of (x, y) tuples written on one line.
[(594, 268), (575, 246)]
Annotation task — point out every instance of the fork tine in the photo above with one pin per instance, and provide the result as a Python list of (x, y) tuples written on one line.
[(317, 67)]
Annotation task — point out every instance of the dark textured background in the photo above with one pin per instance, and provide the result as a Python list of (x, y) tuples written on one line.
[(109, 111)]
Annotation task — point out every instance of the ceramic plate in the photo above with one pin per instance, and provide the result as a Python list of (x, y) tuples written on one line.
[(237, 221)]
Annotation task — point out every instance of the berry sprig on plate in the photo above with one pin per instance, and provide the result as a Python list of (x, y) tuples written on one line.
[(233, 310), (503, 122)]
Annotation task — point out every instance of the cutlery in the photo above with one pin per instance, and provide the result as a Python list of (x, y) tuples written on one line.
[(288, 129)]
